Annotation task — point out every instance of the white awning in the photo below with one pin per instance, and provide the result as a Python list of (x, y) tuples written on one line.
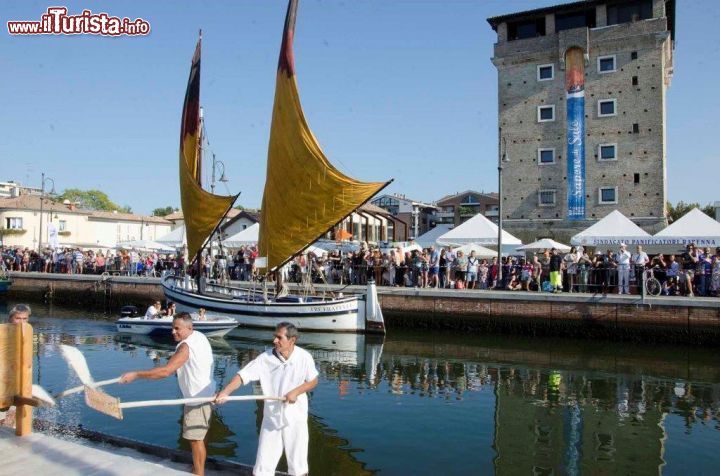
[(248, 236), (477, 230), (612, 230)]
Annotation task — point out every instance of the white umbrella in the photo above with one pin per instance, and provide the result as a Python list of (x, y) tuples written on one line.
[(544, 244)]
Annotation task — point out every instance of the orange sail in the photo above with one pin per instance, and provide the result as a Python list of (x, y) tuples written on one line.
[(202, 211), (305, 195)]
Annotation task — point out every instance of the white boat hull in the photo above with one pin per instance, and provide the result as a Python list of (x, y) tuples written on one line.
[(346, 314), (141, 326)]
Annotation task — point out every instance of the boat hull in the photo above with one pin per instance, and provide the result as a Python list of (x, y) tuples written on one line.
[(250, 310), (155, 327)]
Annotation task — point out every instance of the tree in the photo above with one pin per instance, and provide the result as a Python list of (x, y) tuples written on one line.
[(161, 212), (92, 200), (675, 212)]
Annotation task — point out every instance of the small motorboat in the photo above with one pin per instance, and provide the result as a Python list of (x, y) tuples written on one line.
[(131, 323)]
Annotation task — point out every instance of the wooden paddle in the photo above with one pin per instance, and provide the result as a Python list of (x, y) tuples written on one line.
[(112, 406)]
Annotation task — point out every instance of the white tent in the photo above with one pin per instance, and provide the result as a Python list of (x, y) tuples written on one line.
[(428, 239), (693, 227), (612, 230), (480, 251), (176, 238), (544, 244), (248, 236), (145, 245), (477, 230)]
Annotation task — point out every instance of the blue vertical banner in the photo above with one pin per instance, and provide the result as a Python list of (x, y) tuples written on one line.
[(575, 95)]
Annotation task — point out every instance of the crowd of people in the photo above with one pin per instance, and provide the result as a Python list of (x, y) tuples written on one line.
[(693, 272)]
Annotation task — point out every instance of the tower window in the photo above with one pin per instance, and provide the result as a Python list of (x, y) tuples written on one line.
[(636, 179), (634, 80), (607, 195), (636, 128), (607, 152), (607, 107), (633, 55), (606, 64), (546, 113), (546, 156), (545, 72)]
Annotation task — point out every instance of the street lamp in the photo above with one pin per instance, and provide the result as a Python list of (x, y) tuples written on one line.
[(502, 157), (222, 178), (42, 196)]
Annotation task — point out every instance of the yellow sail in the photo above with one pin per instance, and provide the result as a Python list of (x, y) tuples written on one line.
[(304, 194), (202, 211)]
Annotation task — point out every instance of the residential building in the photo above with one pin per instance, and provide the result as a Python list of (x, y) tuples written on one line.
[(461, 206), (582, 105), (11, 189), (24, 217), (419, 215), (372, 224), (239, 222)]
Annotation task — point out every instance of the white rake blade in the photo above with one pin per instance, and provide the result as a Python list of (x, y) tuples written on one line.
[(41, 395), (77, 362)]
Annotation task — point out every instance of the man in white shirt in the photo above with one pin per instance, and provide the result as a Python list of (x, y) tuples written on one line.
[(153, 312), (622, 258), (289, 371), (193, 362), (639, 260)]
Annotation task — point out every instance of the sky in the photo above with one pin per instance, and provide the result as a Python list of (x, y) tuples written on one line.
[(391, 88)]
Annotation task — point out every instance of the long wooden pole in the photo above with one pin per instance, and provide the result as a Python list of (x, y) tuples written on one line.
[(23, 413)]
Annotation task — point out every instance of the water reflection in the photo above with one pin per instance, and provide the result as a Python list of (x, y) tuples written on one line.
[(436, 403)]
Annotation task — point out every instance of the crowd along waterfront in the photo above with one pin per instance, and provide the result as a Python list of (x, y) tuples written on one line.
[(419, 403)]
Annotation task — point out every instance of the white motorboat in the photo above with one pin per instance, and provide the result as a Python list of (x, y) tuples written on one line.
[(211, 326)]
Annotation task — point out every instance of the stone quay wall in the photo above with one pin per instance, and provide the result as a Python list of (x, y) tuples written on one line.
[(667, 319)]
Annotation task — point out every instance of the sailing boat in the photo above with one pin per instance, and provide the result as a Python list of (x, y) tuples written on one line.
[(305, 196)]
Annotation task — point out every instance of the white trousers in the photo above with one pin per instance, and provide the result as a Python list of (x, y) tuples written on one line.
[(624, 279), (293, 438)]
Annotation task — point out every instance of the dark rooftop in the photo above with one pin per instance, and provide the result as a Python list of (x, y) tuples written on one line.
[(574, 6)]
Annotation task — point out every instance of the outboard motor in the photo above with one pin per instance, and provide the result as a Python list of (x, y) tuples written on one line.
[(128, 311)]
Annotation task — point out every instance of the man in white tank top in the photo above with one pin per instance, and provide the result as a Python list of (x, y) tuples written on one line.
[(289, 371), (193, 362)]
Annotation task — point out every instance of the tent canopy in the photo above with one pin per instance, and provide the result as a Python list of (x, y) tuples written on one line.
[(480, 251), (477, 230), (429, 238), (614, 229), (544, 244), (248, 236), (174, 238), (693, 227), (145, 245)]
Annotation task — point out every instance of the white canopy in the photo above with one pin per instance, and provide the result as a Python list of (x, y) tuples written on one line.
[(544, 244), (614, 229), (480, 251), (175, 238), (430, 237), (248, 236), (693, 227), (477, 230), (145, 245)]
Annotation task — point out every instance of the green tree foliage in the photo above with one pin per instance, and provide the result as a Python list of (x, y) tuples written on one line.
[(92, 200), (675, 212), (161, 212)]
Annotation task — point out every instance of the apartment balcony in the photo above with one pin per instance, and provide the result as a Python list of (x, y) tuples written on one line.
[(491, 213), (445, 214)]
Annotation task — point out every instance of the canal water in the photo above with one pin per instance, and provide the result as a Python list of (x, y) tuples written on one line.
[(427, 403)]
